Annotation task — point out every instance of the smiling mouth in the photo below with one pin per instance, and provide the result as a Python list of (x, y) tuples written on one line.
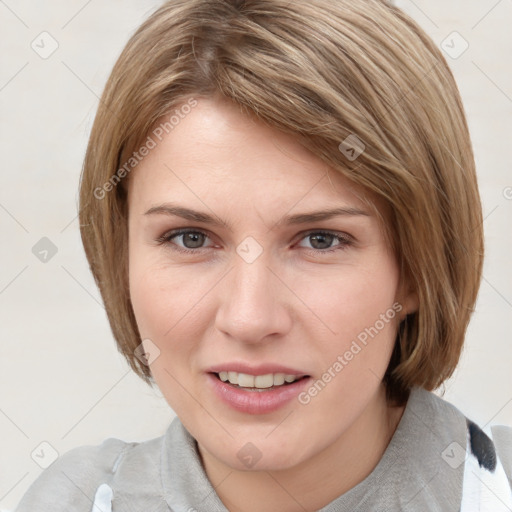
[(265, 382)]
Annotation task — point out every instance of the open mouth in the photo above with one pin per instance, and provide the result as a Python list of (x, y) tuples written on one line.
[(267, 382)]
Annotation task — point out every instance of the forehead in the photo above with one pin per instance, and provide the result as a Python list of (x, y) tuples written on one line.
[(217, 152)]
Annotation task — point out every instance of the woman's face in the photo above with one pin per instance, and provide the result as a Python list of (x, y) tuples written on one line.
[(260, 283)]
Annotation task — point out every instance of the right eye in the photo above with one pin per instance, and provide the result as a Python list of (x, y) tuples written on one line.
[(191, 240)]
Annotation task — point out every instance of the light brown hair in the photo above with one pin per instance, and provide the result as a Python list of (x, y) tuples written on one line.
[(322, 70)]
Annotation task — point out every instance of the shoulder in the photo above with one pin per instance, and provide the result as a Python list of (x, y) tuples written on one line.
[(502, 437), (490, 451), (485, 458), (476, 466), (74, 477), (502, 442), (488, 469)]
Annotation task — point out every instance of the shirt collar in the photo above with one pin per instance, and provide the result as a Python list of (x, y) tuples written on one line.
[(184, 480)]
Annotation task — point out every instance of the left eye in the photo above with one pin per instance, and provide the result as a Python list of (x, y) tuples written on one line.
[(322, 240), (192, 241)]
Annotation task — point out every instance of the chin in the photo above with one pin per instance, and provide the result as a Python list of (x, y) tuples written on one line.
[(263, 455), (274, 462)]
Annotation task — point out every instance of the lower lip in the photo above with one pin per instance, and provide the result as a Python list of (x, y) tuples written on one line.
[(256, 402)]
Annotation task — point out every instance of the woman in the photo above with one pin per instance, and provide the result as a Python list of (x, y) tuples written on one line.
[(280, 208)]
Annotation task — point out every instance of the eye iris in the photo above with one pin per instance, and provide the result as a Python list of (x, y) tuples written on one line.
[(321, 237), (196, 238)]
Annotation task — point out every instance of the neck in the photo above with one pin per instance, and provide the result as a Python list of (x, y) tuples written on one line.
[(315, 482)]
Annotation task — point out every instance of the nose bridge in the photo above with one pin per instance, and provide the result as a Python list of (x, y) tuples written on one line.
[(252, 301)]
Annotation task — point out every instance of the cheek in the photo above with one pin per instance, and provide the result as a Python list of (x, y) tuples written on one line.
[(164, 303), (160, 294), (164, 311), (171, 309), (362, 314), (149, 300), (346, 302), (354, 325)]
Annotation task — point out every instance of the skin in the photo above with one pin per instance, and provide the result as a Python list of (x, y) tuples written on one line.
[(295, 304)]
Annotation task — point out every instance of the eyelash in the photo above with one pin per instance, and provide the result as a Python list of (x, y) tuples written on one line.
[(343, 239)]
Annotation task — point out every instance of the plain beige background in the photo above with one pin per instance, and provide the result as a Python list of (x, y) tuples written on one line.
[(62, 381)]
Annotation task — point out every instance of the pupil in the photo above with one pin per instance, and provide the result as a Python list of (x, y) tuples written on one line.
[(195, 238), (321, 237)]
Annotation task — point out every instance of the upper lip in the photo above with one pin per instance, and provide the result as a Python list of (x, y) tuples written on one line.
[(252, 369)]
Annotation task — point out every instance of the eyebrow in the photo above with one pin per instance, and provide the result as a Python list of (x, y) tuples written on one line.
[(298, 218)]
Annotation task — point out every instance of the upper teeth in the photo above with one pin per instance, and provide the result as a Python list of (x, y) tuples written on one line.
[(257, 381)]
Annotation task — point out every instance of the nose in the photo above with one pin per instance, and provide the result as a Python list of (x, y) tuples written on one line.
[(254, 303)]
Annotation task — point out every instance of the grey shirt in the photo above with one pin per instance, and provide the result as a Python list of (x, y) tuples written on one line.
[(418, 471)]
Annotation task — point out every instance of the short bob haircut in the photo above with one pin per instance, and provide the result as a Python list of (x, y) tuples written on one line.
[(323, 70)]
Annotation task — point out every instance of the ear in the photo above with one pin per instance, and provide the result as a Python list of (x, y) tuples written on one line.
[(408, 298)]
